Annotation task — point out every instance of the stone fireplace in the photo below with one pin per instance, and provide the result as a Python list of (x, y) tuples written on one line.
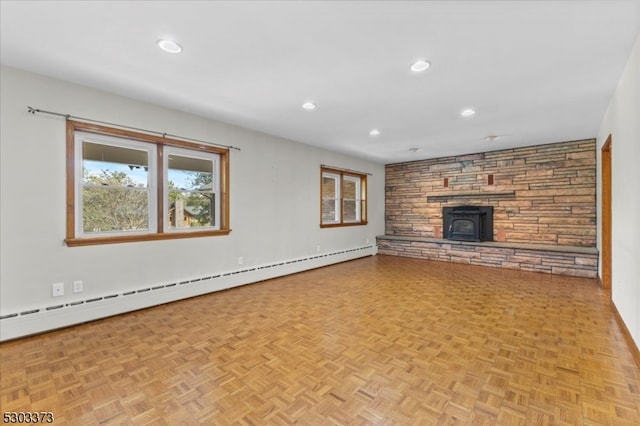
[(468, 223), (542, 214)]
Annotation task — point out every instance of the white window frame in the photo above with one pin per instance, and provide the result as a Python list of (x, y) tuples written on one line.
[(215, 159), (358, 200), (336, 200), (151, 149)]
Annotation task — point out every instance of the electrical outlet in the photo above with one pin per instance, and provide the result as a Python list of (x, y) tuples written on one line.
[(240, 260), (78, 286), (367, 241), (57, 289), (318, 249)]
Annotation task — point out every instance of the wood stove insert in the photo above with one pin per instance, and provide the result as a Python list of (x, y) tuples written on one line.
[(468, 223)]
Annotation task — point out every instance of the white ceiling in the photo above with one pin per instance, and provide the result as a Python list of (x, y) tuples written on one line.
[(535, 71)]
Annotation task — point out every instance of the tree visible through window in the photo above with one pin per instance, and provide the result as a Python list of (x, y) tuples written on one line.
[(191, 190), (125, 186), (115, 187), (343, 198)]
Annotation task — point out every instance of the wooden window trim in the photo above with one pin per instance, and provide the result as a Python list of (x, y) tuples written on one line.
[(72, 241), (363, 195)]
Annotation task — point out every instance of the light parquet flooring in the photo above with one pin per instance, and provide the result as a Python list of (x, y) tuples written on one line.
[(379, 340)]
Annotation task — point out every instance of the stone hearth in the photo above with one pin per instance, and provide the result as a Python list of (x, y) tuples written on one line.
[(564, 260)]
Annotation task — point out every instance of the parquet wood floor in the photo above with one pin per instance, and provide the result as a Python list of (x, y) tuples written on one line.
[(380, 340)]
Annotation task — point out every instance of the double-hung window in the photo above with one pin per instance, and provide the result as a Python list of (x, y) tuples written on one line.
[(343, 198), (190, 190), (115, 191), (127, 186)]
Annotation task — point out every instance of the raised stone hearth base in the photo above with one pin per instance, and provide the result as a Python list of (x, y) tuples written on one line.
[(551, 259)]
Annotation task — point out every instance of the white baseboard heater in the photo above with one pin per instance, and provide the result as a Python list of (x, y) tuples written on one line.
[(45, 318)]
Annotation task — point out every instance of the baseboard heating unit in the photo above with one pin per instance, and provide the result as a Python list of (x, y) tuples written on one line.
[(39, 319)]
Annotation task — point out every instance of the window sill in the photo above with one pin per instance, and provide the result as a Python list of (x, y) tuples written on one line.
[(339, 225), (92, 241)]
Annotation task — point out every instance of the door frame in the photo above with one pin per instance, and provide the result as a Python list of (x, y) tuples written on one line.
[(606, 186)]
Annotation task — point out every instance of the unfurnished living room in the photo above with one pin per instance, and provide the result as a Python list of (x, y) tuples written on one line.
[(320, 212)]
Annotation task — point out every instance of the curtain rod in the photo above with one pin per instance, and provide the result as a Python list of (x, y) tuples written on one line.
[(164, 135), (346, 170)]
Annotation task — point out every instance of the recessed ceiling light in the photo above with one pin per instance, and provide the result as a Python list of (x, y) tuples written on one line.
[(169, 46), (468, 112), (415, 149), (374, 132), (309, 106), (492, 138), (421, 65)]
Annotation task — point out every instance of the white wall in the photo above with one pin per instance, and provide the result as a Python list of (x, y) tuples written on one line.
[(622, 121), (274, 207)]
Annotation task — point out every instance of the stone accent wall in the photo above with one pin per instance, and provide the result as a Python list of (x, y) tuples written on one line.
[(544, 208), (543, 194)]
